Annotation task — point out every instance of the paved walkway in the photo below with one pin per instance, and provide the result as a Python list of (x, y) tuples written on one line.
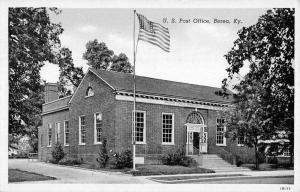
[(78, 175), (74, 175)]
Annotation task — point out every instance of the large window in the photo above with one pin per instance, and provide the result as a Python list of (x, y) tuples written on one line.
[(97, 128), (49, 135), (167, 128), (220, 136), (67, 133), (140, 127), (82, 130)]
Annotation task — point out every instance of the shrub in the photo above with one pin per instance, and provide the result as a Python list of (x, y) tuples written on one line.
[(178, 158), (58, 153), (22, 155), (122, 160), (70, 161), (103, 155), (272, 160), (239, 161)]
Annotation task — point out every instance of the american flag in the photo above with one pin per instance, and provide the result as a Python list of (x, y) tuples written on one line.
[(154, 33)]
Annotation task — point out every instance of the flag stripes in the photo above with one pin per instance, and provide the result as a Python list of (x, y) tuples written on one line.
[(154, 33)]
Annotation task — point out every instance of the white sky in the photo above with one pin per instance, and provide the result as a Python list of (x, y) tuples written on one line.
[(197, 49)]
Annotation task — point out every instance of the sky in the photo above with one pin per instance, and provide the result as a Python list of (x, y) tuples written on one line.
[(196, 49)]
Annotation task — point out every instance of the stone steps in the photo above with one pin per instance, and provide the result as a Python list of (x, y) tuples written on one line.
[(216, 163)]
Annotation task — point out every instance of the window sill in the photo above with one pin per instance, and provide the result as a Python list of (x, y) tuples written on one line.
[(66, 145), (81, 144), (168, 143), (221, 145), (140, 143), (240, 145), (99, 143), (88, 96), (49, 146)]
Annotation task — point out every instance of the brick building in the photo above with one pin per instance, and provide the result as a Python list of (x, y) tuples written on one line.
[(169, 115)]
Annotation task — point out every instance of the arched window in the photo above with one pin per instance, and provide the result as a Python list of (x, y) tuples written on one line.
[(89, 92), (195, 118)]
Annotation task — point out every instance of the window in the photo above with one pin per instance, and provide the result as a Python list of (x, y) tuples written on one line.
[(67, 133), (240, 140), (49, 135), (82, 130), (57, 132), (167, 128), (97, 128), (140, 127), (220, 137), (89, 92)]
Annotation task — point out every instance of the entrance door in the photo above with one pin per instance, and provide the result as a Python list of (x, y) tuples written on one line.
[(203, 141), (196, 142)]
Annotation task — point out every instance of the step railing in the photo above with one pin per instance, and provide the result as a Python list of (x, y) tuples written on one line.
[(196, 151)]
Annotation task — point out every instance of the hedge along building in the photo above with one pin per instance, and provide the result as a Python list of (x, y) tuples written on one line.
[(169, 115)]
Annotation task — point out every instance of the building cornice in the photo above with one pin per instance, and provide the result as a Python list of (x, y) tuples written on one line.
[(171, 101)]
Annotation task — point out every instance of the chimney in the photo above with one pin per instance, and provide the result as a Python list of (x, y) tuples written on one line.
[(51, 92)]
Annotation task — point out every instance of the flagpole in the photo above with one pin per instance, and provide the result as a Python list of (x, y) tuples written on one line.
[(134, 87)]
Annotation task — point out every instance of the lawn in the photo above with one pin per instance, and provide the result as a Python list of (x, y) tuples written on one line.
[(144, 170), (16, 175), (269, 167)]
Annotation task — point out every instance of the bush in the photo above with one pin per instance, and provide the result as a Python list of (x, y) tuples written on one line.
[(239, 161), (122, 160), (21, 155), (70, 161), (103, 155), (57, 153), (272, 160), (178, 158)]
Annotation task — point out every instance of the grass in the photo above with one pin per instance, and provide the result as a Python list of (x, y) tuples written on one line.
[(175, 178), (16, 175), (144, 170), (268, 167)]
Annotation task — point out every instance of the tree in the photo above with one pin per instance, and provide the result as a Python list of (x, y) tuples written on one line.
[(100, 57), (121, 64), (268, 48), (32, 41), (248, 119), (69, 76)]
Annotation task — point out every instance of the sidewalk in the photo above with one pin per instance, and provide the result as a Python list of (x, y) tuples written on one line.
[(74, 175)]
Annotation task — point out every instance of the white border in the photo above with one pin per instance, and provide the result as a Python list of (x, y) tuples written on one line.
[(224, 144), (79, 129), (66, 144), (144, 130), (95, 130), (173, 133)]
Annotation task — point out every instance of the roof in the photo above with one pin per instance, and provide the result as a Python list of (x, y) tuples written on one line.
[(146, 85), (58, 104)]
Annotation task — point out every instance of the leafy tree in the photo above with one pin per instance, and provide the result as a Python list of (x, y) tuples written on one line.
[(121, 64), (32, 41), (247, 119), (69, 74), (268, 48), (100, 57)]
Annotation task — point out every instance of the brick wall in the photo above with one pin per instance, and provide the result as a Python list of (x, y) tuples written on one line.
[(44, 150), (103, 102), (117, 125)]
